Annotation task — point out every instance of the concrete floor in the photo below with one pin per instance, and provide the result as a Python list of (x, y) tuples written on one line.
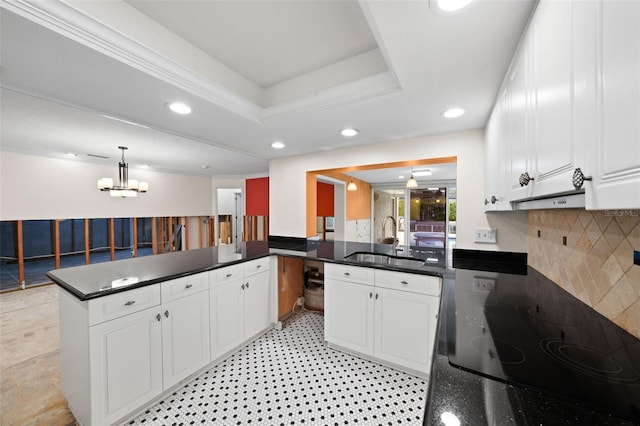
[(29, 359)]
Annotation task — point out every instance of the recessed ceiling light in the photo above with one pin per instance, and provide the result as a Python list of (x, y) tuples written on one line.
[(205, 167), (349, 132), (453, 112), (179, 108), (71, 154), (277, 145), (401, 177), (448, 6)]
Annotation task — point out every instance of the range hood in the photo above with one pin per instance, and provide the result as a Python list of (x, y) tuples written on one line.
[(573, 200)]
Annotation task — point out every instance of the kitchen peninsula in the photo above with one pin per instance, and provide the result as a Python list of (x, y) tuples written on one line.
[(472, 298), (132, 331)]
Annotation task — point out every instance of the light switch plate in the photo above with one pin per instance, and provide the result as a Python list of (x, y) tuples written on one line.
[(484, 235)]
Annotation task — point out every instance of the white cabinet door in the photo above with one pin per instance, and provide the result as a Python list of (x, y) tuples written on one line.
[(185, 337), (256, 304), (349, 315), (405, 326), (555, 152), (126, 364), (615, 158), (227, 317), (520, 122), (497, 150)]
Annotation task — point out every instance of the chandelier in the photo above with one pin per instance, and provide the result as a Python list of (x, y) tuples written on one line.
[(127, 187)]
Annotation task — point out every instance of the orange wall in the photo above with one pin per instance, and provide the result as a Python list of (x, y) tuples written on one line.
[(257, 199)]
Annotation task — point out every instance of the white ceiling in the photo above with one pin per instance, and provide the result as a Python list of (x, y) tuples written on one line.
[(253, 72)]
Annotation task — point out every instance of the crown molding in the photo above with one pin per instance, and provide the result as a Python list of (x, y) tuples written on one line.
[(68, 21), (75, 25), (365, 88)]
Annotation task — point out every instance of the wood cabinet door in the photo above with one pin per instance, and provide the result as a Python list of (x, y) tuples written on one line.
[(405, 328), (227, 317), (185, 337), (126, 364), (257, 300), (349, 315)]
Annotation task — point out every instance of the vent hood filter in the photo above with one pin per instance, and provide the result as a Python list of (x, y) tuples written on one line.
[(568, 201)]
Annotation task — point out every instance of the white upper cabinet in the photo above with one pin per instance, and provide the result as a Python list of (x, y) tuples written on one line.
[(615, 155), (496, 159), (555, 152), (572, 102)]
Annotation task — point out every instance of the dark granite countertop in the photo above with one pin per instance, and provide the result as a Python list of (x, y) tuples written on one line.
[(459, 396), (454, 392), (101, 279)]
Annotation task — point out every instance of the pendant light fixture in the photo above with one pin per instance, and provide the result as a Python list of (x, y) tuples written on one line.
[(352, 186), (127, 187), (412, 182)]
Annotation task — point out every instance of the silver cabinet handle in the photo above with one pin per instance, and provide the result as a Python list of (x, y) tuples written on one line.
[(525, 179), (347, 274), (370, 295), (188, 286), (403, 282), (247, 285), (229, 275), (158, 317), (166, 314), (486, 201), (258, 266), (242, 286), (493, 199), (130, 302), (578, 178), (376, 296)]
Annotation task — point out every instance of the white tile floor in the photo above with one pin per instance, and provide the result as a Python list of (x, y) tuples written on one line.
[(289, 377)]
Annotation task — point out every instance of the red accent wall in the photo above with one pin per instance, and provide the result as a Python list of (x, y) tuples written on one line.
[(325, 200), (257, 203)]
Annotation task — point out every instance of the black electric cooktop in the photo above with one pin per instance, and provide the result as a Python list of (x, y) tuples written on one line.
[(526, 330)]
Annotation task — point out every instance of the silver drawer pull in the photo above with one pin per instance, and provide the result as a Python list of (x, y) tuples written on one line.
[(247, 285), (130, 302), (403, 282), (166, 314), (229, 275), (258, 266), (158, 317), (347, 274), (188, 286)]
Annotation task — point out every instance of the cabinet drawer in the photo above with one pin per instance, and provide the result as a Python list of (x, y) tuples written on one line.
[(226, 274), (184, 286), (349, 273), (415, 283), (117, 305), (256, 266)]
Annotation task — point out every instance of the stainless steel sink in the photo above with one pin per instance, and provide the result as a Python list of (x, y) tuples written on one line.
[(385, 259)]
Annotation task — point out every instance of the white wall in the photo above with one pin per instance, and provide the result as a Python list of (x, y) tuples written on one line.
[(288, 185), (33, 187)]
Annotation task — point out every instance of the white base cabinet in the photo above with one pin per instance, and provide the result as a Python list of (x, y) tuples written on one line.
[(388, 316), (119, 352), (240, 300)]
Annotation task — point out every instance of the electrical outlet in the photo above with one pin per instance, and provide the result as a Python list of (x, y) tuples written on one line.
[(484, 235), (300, 301), (483, 284)]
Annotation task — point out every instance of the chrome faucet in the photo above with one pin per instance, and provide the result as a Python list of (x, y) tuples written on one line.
[(395, 230)]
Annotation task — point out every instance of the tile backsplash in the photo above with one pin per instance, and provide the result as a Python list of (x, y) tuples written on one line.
[(591, 255)]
